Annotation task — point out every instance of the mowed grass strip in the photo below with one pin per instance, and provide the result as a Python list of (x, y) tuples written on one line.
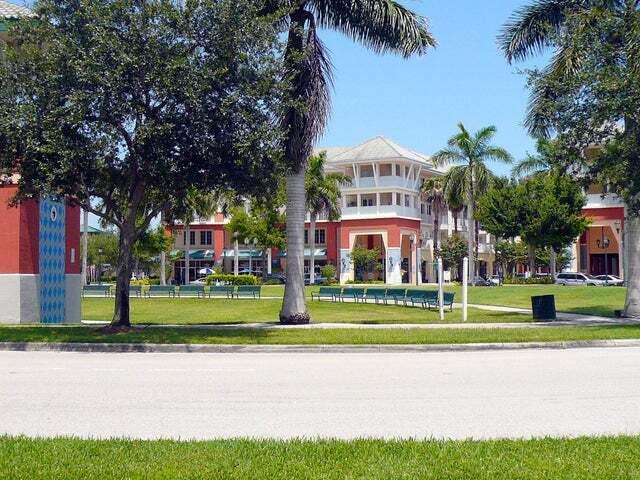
[(602, 301), (221, 311), (545, 459), (262, 336)]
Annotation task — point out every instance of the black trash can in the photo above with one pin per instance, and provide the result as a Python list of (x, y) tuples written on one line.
[(544, 307)]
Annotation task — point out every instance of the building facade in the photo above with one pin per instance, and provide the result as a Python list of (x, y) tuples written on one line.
[(600, 250), (382, 209)]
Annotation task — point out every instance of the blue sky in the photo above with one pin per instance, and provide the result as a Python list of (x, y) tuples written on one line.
[(418, 102)]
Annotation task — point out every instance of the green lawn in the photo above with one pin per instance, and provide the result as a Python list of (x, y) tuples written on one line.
[(589, 300), (216, 311), (545, 459), (239, 336)]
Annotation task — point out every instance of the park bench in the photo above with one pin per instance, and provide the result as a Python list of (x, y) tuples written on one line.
[(96, 290), (431, 298), (191, 291), (221, 291), (419, 297), (376, 294), (395, 294), (248, 291), (161, 291), (332, 293), (357, 294), (135, 291), (448, 300)]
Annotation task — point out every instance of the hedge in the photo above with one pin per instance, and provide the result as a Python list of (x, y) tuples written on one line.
[(232, 279), (528, 281)]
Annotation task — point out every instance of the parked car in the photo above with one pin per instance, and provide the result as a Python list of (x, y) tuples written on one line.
[(495, 280), (611, 280), (200, 281), (482, 282), (246, 271), (318, 279), (576, 278)]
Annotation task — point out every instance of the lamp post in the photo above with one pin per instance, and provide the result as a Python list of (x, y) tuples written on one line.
[(100, 267), (236, 253), (254, 243), (410, 262)]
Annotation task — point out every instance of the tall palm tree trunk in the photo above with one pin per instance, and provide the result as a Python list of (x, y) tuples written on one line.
[(187, 249), (532, 258), (470, 238), (312, 248), (294, 308), (632, 274)]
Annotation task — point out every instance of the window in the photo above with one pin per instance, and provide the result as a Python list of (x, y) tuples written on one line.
[(397, 170), (306, 237), (366, 171), (386, 170), (206, 237), (352, 201), (321, 236), (192, 238), (407, 201), (386, 198), (368, 200), (398, 199)]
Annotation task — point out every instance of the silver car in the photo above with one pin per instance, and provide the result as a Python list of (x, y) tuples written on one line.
[(577, 278), (611, 280)]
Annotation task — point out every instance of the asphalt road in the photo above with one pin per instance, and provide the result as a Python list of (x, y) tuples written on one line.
[(444, 395)]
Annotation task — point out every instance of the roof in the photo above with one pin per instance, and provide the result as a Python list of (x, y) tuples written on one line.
[(377, 148), (91, 230), (12, 11)]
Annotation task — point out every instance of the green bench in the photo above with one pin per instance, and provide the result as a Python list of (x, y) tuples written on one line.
[(161, 291), (135, 291), (356, 294), (376, 294), (432, 299), (191, 291), (447, 300), (225, 291), (95, 290), (395, 294), (248, 291), (420, 297), (331, 293)]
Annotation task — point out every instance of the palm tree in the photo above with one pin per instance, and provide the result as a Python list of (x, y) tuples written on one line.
[(545, 160), (323, 195), (433, 193), (472, 176), (381, 25)]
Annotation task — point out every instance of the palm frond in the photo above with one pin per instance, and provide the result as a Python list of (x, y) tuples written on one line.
[(447, 156), (498, 154), (384, 26), (534, 27)]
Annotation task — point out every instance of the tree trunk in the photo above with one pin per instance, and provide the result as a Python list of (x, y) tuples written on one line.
[(436, 237), (532, 258), (632, 274), (121, 313), (187, 249), (553, 256), (471, 234), (163, 258), (294, 309), (455, 223), (312, 248), (85, 246)]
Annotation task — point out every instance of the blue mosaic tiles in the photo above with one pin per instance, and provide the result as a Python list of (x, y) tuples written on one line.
[(52, 265)]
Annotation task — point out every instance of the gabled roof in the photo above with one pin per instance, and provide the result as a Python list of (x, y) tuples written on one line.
[(10, 11), (377, 148)]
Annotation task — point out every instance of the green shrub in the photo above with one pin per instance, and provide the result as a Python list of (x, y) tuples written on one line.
[(239, 280), (329, 272), (365, 282), (218, 270)]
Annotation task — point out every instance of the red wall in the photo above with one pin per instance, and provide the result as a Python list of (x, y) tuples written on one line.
[(393, 226), (18, 234), (72, 239), (611, 213)]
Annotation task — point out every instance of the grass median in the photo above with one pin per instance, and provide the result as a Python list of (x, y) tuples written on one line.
[(222, 311), (545, 459), (262, 336)]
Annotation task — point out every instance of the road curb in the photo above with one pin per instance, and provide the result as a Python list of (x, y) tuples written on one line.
[(200, 348)]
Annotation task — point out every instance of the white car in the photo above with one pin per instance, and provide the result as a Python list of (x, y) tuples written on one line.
[(611, 280), (577, 278)]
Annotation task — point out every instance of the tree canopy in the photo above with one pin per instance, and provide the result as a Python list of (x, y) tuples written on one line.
[(124, 106)]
